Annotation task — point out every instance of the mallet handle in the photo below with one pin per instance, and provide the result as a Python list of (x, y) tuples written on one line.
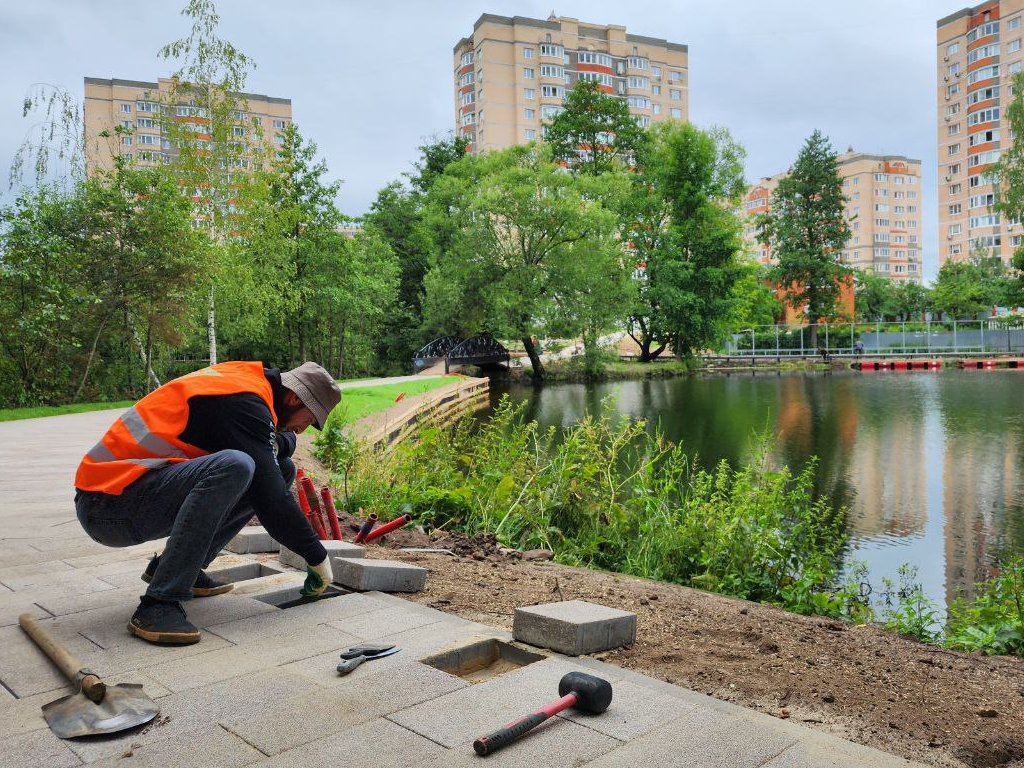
[(502, 737), (72, 668)]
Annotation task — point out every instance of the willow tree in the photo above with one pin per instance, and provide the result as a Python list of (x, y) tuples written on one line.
[(204, 119)]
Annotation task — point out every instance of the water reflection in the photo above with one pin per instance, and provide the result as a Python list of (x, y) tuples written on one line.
[(929, 464)]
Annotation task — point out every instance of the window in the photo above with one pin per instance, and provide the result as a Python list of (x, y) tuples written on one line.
[(126, 107), (986, 241), (656, 71), (882, 252), (549, 110), (991, 220), (643, 121), (636, 62), (239, 131), (640, 102), (528, 73), (881, 192), (952, 90), (469, 118), (899, 194), (530, 113), (953, 109), (467, 79), (552, 91), (953, 69), (881, 237), (982, 94), (911, 209), (675, 93), (142, 122), (148, 138), (881, 222), (985, 73), (954, 250), (1013, 69), (126, 141), (127, 124), (656, 90), (467, 58), (952, 48), (467, 98), (676, 113), (589, 57), (552, 50), (1013, 46), (675, 77), (657, 109), (981, 201), (983, 31), (954, 189), (527, 53), (1013, 23), (642, 83), (279, 123), (983, 158), (882, 177), (982, 137), (597, 77), (530, 134), (552, 70), (881, 208), (529, 93), (147, 106), (900, 209), (983, 52), (954, 169), (954, 148)]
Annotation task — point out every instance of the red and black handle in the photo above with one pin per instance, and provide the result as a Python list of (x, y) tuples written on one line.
[(502, 737)]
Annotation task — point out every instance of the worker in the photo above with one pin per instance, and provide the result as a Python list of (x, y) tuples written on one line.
[(193, 461)]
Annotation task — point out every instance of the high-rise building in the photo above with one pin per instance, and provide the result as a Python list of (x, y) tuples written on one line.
[(137, 105), (883, 208), (512, 74), (979, 49)]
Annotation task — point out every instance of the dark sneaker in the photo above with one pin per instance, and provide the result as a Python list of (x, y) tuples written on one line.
[(204, 586), (163, 623)]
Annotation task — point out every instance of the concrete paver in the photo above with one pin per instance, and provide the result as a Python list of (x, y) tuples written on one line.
[(290, 622), (252, 538), (379, 575), (574, 627), (208, 747), (387, 621), (38, 748)]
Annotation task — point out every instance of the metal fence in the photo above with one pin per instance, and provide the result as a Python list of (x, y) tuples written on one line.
[(953, 337)]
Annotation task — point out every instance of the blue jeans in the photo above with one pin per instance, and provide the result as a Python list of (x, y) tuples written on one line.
[(200, 504)]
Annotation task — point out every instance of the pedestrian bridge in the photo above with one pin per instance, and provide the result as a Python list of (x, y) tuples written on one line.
[(483, 350)]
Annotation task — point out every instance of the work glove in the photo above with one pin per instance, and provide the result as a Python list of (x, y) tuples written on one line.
[(317, 578)]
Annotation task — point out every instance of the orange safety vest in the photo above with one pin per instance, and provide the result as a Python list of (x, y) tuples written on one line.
[(146, 435)]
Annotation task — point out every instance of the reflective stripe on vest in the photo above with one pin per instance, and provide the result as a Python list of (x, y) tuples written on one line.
[(146, 436)]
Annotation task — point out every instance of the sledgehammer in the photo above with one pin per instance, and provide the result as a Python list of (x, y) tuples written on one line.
[(577, 689)]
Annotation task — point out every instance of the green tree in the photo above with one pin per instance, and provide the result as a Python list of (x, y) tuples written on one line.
[(200, 117), (806, 229), (689, 240), (1009, 176), (754, 301), (874, 296), (594, 130), (965, 288), (910, 300)]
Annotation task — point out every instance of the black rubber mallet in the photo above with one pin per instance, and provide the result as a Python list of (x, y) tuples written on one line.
[(577, 689)]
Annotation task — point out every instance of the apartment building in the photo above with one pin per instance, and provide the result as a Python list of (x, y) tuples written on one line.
[(512, 74), (137, 105), (979, 51), (883, 199)]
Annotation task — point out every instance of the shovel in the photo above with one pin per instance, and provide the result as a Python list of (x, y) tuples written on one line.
[(95, 708)]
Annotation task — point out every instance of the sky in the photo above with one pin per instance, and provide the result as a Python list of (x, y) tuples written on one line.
[(371, 81)]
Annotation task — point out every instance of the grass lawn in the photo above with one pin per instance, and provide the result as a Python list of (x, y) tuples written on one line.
[(13, 414), (357, 402)]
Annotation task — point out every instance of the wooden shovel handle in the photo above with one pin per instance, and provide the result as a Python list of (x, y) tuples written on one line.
[(72, 668)]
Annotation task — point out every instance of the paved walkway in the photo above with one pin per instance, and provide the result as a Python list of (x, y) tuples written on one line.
[(260, 689), (388, 380)]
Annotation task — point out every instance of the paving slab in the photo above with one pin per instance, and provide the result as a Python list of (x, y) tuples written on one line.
[(378, 743), (291, 621), (386, 621), (253, 538), (633, 712), (379, 575), (208, 747), (26, 670), (13, 604), (259, 654), (310, 716), (834, 754), (336, 550), (182, 714), (574, 627), (698, 739), (460, 717), (36, 749), (274, 589)]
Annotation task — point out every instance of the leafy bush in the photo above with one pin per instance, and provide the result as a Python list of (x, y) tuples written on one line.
[(610, 494), (911, 612), (993, 621)]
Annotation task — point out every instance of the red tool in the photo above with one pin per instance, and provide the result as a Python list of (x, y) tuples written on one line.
[(577, 689), (309, 491), (365, 528), (303, 501), (376, 533), (332, 513)]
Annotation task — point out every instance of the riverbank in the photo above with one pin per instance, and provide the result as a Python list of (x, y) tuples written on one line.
[(571, 371)]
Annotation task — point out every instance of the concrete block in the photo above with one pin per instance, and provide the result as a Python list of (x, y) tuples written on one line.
[(336, 550), (387, 621), (209, 745), (291, 622), (185, 714), (700, 738), (252, 538), (378, 743), (574, 627), (274, 589), (359, 698), (380, 575), (830, 752)]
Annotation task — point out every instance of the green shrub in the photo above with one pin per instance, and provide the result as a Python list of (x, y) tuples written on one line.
[(993, 621)]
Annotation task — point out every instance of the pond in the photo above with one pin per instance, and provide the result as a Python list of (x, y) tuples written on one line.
[(929, 464)]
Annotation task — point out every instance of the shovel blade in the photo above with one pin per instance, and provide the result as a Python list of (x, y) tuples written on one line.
[(124, 706)]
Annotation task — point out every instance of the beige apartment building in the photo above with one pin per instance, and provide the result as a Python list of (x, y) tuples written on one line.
[(883, 207), (512, 74), (136, 105), (979, 50)]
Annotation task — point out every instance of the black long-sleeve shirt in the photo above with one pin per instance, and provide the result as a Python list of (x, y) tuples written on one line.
[(243, 422)]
